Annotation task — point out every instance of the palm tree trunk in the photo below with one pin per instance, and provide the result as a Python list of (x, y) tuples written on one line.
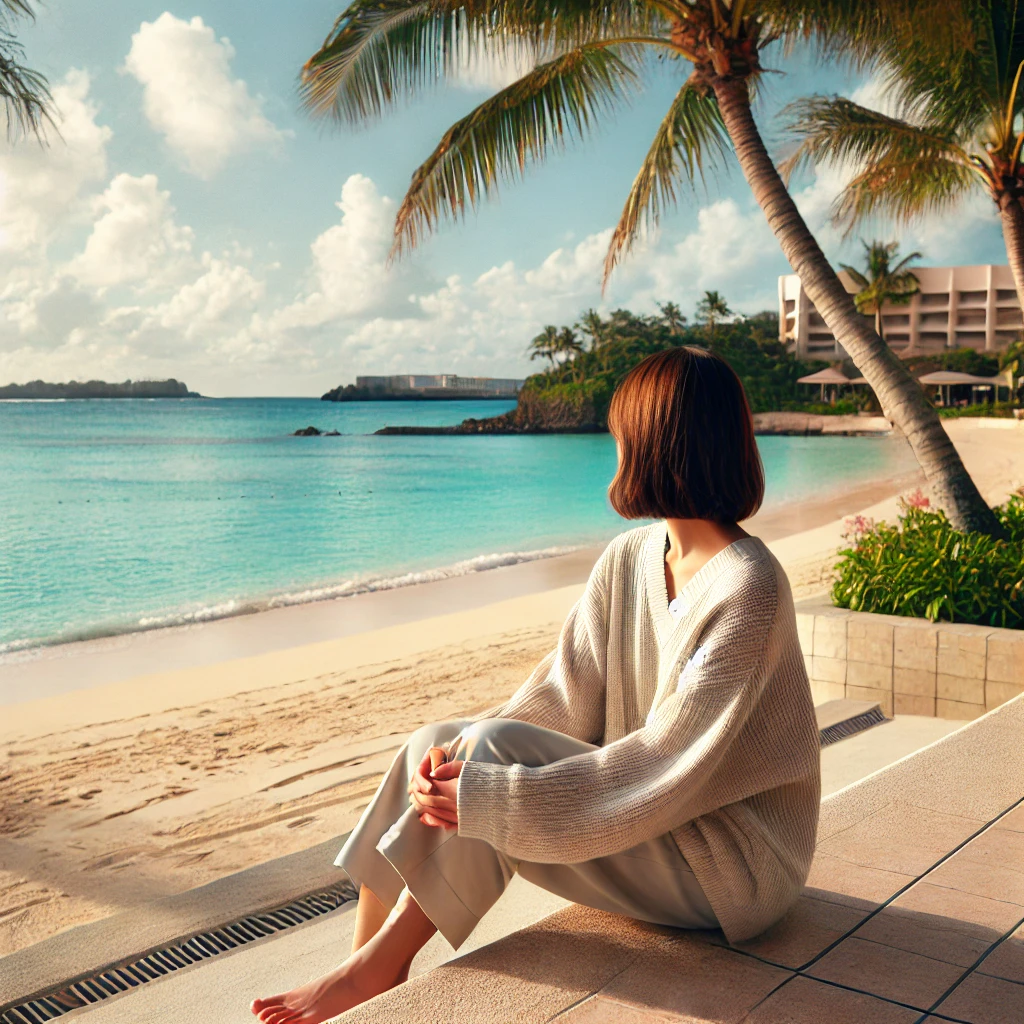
[(902, 399), (1011, 213), (878, 323)]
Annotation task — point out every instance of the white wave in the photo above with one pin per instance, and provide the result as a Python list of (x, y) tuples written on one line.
[(328, 592)]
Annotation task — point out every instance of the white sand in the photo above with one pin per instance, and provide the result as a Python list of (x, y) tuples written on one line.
[(120, 785)]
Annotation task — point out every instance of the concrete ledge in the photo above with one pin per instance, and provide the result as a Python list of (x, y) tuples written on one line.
[(909, 666)]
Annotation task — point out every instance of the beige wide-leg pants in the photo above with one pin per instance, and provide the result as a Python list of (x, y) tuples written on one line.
[(456, 880)]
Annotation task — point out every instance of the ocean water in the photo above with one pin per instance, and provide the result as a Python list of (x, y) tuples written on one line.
[(130, 514)]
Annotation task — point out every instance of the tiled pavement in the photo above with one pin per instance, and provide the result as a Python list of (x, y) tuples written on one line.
[(914, 913)]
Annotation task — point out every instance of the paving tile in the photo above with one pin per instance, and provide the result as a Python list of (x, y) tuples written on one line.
[(1006, 657), (917, 681), (830, 634), (958, 711), (1014, 821), (853, 885), (694, 979), (869, 674), (887, 972), (1007, 959), (829, 670), (811, 926), (598, 1010), (941, 923), (900, 837), (957, 688), (991, 865), (980, 999), (912, 704), (870, 641), (963, 651), (805, 1001), (915, 645), (997, 694)]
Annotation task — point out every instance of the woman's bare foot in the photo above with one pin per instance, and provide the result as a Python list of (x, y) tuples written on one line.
[(374, 968), (355, 981)]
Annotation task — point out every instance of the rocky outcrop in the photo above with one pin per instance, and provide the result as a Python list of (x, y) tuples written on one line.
[(39, 389), (307, 432)]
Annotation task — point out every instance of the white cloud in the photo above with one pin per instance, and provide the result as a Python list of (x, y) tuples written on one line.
[(493, 67), (190, 97), (135, 239), (41, 186)]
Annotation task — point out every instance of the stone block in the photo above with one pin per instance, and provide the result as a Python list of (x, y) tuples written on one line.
[(962, 651), (866, 673), (1006, 656), (809, 666), (966, 691), (870, 640), (911, 704), (805, 631), (1000, 693), (830, 634), (958, 710), (822, 692), (883, 697), (915, 645), (828, 670), (918, 682)]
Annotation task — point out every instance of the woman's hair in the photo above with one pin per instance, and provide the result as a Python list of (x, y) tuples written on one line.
[(686, 441)]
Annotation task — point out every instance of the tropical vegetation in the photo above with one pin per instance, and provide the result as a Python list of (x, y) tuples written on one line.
[(591, 56), (952, 127), (923, 567), (24, 93), (883, 283)]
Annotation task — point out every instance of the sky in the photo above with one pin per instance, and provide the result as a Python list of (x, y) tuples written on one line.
[(191, 220)]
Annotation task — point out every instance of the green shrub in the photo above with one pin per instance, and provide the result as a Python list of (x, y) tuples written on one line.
[(923, 567), (1003, 410)]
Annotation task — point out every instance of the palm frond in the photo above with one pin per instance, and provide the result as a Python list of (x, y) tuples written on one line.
[(24, 93), (550, 105), (858, 278), (381, 50), (690, 139)]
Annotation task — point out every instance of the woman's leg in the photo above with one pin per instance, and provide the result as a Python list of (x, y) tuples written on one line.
[(370, 916)]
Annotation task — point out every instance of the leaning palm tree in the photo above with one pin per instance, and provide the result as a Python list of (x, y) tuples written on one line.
[(710, 310), (883, 284), (672, 317), (955, 129), (591, 55), (569, 347), (545, 345), (24, 93)]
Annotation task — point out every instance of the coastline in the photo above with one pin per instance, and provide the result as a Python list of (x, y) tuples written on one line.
[(47, 670), (168, 759)]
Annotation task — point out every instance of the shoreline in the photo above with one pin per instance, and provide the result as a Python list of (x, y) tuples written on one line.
[(48, 670)]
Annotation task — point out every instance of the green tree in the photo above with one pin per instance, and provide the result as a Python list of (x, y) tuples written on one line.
[(711, 310), (569, 347), (545, 345), (593, 326), (672, 317), (591, 56), (883, 283), (24, 93), (955, 129)]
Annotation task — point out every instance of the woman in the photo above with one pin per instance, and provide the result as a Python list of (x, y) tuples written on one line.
[(662, 762)]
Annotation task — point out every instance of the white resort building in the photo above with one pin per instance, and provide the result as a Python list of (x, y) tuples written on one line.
[(957, 307), (419, 382)]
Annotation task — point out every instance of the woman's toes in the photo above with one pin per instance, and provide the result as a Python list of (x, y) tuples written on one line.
[(259, 1005), (281, 1017)]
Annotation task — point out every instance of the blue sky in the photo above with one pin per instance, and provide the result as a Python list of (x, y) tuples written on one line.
[(194, 222)]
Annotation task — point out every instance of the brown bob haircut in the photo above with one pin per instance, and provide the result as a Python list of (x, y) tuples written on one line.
[(686, 441)]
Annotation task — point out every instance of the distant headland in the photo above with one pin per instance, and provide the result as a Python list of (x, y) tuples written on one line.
[(39, 389)]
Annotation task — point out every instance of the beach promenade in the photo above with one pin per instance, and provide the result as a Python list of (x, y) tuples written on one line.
[(147, 766)]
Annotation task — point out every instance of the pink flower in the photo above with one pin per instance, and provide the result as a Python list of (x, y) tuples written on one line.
[(917, 500), (855, 527)]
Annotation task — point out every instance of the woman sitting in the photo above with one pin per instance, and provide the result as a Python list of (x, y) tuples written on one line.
[(662, 762)]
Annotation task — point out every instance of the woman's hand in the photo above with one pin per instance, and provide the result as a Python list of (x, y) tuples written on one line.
[(434, 790)]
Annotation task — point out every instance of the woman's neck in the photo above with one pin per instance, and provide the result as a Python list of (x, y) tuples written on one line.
[(692, 544)]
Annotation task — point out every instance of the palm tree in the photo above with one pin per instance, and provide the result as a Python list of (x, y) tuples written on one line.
[(672, 317), (590, 57), (24, 93), (545, 345), (570, 346), (712, 308), (956, 129), (883, 283), (593, 326)]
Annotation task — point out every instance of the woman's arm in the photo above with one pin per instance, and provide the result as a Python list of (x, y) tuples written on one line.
[(649, 782)]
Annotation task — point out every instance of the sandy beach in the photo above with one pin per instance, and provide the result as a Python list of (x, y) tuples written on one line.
[(146, 765)]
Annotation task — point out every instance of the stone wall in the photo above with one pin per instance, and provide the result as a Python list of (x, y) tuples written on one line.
[(909, 666)]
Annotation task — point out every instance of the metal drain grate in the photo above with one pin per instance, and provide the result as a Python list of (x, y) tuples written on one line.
[(131, 974)]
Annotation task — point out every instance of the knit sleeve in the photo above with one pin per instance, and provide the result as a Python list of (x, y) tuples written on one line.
[(652, 780), (566, 691)]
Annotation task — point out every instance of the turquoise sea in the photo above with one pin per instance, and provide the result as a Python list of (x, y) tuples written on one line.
[(129, 514)]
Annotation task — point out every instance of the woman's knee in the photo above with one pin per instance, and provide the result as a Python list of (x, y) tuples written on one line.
[(492, 739), (436, 734)]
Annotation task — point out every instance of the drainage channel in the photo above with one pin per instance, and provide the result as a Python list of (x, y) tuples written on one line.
[(123, 977)]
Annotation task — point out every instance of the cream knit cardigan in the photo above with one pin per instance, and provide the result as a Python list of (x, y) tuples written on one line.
[(705, 728)]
